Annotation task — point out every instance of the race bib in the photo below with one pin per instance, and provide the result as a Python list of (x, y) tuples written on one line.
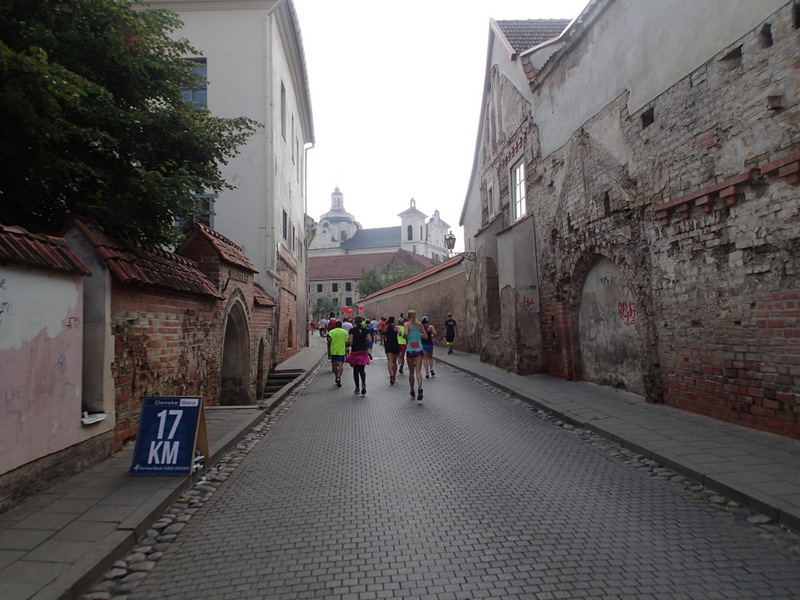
[(415, 344)]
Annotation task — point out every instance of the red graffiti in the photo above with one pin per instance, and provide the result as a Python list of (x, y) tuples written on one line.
[(527, 304), (627, 310)]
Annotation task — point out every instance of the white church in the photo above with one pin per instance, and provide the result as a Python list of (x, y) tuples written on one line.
[(338, 233)]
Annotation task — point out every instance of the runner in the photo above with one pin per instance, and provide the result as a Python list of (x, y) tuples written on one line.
[(450, 332), (392, 348), (427, 347), (401, 340), (413, 332), (337, 343)]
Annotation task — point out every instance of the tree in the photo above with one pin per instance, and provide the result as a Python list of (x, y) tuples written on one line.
[(374, 279), (94, 122), (325, 306)]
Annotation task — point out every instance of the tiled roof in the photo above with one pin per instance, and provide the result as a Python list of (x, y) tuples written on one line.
[(418, 277), (525, 34), (227, 250), (349, 266), (378, 237), (146, 265), (262, 298), (20, 247)]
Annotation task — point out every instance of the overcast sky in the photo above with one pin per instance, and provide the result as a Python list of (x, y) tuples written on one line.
[(396, 93)]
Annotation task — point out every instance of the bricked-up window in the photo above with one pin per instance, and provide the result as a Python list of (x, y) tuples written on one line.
[(518, 191), (285, 226)]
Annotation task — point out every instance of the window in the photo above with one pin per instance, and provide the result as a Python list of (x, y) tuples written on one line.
[(410, 233), (334, 287), (283, 111), (319, 288), (348, 287), (518, 191), (294, 239), (292, 138), (490, 201), (348, 300), (198, 95), (285, 226)]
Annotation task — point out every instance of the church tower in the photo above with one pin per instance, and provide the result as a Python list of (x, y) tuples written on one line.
[(335, 226)]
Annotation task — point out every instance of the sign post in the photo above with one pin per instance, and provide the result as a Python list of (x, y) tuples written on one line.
[(170, 430)]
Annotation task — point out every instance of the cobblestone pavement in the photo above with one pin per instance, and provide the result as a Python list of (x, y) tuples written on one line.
[(467, 495)]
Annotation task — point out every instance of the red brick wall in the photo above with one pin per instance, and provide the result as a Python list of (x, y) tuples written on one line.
[(164, 345), (433, 298), (561, 346)]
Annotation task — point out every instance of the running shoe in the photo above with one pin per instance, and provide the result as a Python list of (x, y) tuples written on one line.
[(355, 391), (413, 395), (338, 383), (364, 391), (419, 395), (401, 369), (432, 373), (427, 375)]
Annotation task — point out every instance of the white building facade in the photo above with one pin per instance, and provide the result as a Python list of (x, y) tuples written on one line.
[(253, 58)]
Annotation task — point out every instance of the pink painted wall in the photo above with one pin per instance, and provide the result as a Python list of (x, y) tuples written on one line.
[(41, 354)]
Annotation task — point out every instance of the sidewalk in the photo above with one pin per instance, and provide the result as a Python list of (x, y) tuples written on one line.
[(757, 469), (57, 543)]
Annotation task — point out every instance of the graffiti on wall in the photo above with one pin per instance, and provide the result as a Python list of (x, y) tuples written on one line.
[(627, 312)]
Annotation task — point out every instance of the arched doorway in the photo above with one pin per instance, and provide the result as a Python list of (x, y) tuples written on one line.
[(607, 327), (236, 358)]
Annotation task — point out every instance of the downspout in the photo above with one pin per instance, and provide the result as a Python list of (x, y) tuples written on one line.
[(306, 148), (269, 201)]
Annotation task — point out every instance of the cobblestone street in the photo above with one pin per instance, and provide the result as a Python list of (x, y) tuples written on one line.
[(467, 495)]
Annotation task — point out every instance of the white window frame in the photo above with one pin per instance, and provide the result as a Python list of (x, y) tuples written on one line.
[(518, 190)]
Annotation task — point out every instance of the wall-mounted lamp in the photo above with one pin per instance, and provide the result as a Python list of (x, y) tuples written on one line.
[(450, 242)]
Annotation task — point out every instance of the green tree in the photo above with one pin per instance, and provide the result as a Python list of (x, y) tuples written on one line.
[(94, 122), (374, 279), (325, 306)]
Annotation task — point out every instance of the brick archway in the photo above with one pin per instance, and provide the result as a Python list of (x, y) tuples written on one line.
[(236, 357)]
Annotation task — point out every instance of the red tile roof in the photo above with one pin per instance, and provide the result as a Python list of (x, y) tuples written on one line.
[(452, 262), (20, 247), (143, 264), (227, 250), (349, 266), (262, 298)]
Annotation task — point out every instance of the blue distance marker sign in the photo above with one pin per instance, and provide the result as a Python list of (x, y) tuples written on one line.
[(168, 435)]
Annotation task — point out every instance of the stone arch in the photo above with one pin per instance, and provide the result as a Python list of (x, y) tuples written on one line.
[(609, 323), (235, 374)]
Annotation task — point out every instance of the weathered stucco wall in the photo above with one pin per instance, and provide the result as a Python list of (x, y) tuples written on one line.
[(687, 197), (41, 350)]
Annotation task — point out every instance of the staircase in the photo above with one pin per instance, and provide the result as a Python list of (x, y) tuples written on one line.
[(276, 381)]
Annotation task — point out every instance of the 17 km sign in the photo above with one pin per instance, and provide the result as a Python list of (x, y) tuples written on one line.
[(170, 430)]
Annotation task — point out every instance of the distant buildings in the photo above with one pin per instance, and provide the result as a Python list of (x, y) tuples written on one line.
[(342, 248)]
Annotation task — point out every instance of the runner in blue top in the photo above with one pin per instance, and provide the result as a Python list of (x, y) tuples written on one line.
[(413, 333)]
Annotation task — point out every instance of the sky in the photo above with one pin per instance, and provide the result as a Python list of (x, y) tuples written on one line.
[(395, 94)]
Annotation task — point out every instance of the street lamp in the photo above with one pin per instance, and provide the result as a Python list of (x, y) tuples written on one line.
[(450, 242)]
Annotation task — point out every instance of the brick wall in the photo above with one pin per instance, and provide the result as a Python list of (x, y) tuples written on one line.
[(434, 298), (697, 206), (164, 345)]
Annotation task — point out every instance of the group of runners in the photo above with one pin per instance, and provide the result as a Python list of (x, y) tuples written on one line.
[(407, 341)]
